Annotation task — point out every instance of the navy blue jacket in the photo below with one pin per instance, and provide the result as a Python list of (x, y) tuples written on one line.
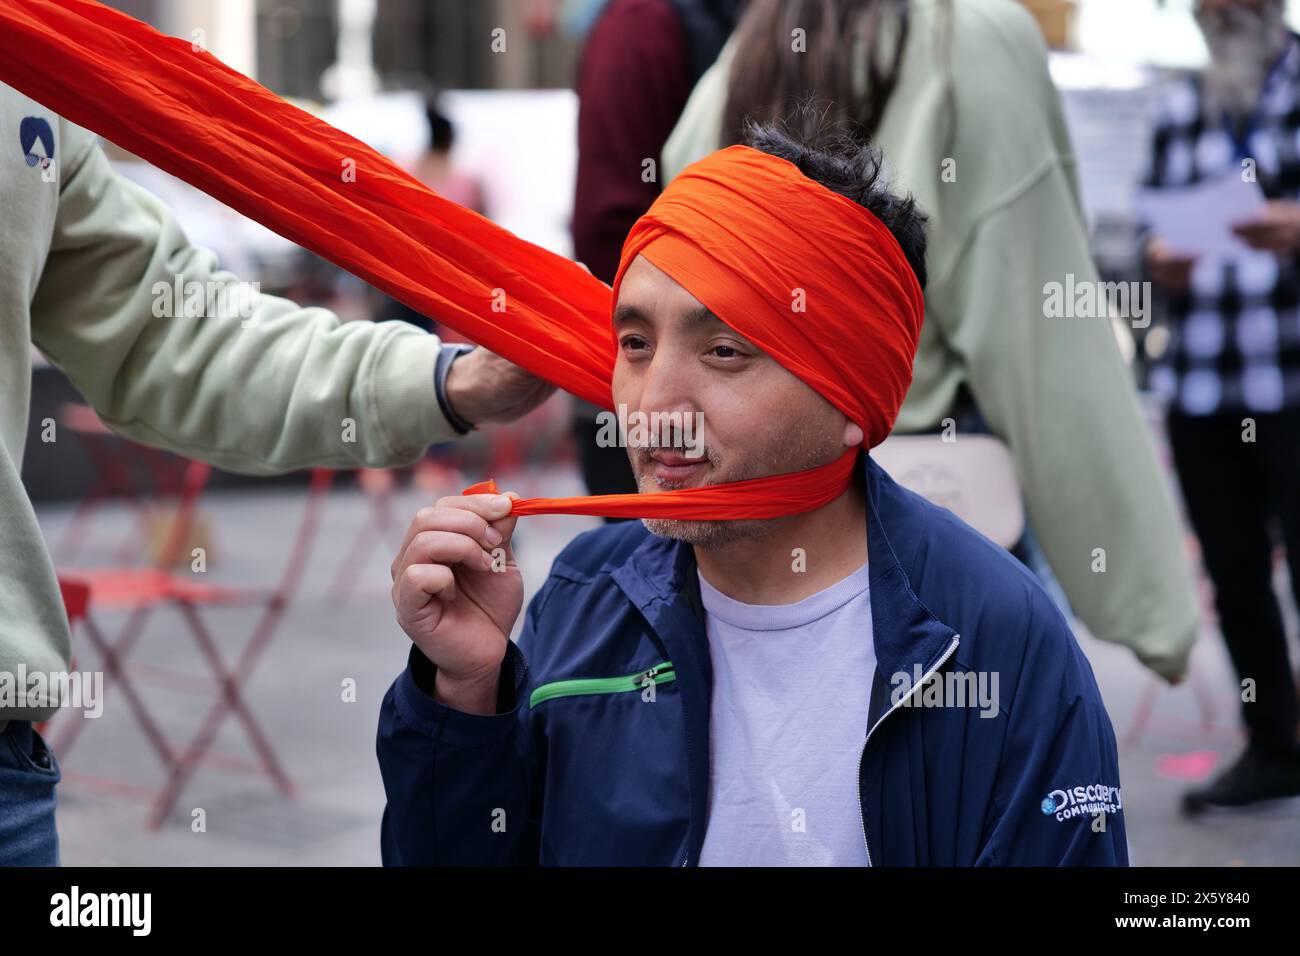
[(599, 753)]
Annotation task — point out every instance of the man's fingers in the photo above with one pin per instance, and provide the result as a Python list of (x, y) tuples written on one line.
[(465, 514), (489, 507), (1262, 239), (506, 528), (464, 529), (421, 583), (445, 547), (1259, 232)]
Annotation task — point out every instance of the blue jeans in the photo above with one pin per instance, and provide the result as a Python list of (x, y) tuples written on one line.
[(28, 774)]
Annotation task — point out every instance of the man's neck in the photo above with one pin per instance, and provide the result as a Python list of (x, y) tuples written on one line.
[(806, 553)]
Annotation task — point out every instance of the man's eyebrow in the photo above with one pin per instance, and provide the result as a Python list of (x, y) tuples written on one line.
[(696, 317), (689, 321), (627, 313)]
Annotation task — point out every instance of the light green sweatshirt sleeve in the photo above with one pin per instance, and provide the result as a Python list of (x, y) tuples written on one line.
[(268, 388), (1058, 392)]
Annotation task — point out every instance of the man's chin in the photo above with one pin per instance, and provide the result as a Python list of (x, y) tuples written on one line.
[(688, 531), (708, 534), (699, 534)]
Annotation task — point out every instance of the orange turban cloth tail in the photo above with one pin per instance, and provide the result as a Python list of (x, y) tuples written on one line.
[(809, 276)]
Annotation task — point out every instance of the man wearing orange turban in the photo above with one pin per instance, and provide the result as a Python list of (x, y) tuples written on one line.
[(852, 679), (791, 659)]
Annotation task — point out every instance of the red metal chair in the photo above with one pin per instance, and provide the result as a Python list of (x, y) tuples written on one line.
[(76, 598), (114, 459), (377, 487), (141, 591)]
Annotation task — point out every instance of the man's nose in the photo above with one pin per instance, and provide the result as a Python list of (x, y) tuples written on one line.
[(664, 385), (669, 385)]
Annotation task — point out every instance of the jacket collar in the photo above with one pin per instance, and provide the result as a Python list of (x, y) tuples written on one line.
[(659, 577)]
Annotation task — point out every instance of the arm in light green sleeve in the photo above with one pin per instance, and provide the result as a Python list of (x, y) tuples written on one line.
[(261, 390), (1058, 392)]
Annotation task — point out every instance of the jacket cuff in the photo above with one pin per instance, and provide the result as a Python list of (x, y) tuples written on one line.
[(405, 403), (417, 706), (447, 355)]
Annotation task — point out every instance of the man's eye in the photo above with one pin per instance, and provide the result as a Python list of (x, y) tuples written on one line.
[(724, 351), (632, 341)]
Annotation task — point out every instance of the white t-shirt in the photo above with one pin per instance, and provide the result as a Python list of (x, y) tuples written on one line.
[(791, 687)]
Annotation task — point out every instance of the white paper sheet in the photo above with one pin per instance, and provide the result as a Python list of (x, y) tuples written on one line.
[(1197, 220)]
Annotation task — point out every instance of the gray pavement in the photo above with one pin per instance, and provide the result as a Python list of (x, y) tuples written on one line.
[(327, 743)]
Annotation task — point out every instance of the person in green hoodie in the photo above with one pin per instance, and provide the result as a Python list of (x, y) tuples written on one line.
[(86, 261), (958, 96)]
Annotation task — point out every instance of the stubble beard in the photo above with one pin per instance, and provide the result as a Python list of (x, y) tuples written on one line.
[(795, 453)]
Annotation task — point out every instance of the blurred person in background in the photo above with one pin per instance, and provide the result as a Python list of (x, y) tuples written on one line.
[(1231, 374), (436, 170), (638, 66), (958, 95), (81, 252)]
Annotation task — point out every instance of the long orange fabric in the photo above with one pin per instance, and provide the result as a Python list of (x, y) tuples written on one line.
[(741, 230)]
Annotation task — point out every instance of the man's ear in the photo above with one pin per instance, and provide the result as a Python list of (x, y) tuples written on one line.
[(853, 436)]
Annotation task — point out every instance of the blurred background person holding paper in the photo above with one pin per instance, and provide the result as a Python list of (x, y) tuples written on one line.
[(1231, 374)]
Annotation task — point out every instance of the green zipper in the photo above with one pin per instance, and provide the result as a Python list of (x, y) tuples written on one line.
[(659, 673)]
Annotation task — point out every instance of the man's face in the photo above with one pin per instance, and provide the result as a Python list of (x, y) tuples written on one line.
[(1243, 37), (1238, 28), (674, 356)]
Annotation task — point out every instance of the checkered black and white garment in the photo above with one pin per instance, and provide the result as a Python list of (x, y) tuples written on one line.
[(1235, 334)]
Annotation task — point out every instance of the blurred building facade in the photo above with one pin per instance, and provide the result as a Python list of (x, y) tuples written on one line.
[(323, 49)]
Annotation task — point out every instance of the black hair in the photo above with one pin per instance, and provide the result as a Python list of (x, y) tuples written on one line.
[(849, 165), (441, 132)]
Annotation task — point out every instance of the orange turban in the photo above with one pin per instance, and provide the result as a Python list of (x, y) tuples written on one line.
[(745, 232), (809, 276)]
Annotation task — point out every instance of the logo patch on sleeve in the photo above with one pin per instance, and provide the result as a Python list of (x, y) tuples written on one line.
[(1086, 800), (36, 139)]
